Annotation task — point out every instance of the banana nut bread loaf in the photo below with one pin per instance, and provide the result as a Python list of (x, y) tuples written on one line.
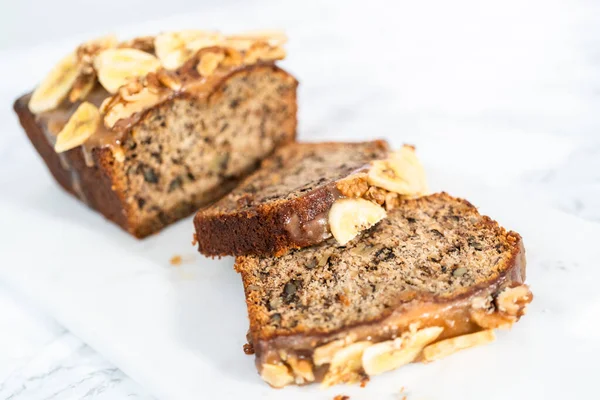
[(432, 278), (148, 130), (307, 192)]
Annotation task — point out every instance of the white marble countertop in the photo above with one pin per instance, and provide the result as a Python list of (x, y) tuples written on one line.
[(41, 360)]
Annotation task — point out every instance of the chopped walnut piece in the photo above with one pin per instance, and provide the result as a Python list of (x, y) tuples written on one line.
[(376, 195), (124, 109), (509, 305), (213, 58), (513, 301), (302, 369), (135, 95), (353, 186), (276, 375), (263, 51)]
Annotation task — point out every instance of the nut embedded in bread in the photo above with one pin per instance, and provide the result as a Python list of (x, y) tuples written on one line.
[(148, 130), (432, 278), (307, 192)]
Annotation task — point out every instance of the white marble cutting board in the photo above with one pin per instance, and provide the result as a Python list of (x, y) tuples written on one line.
[(179, 331), (453, 92)]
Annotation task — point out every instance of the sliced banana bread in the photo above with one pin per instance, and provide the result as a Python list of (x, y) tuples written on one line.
[(432, 278), (307, 192), (149, 130)]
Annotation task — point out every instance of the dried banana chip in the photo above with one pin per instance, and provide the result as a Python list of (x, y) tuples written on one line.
[(349, 217), (56, 86), (82, 124), (402, 173), (175, 48), (244, 41), (389, 355), (115, 67), (446, 347)]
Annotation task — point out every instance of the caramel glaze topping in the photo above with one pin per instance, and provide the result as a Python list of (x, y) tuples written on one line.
[(193, 83)]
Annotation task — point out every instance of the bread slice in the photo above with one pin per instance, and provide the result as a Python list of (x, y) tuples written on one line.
[(432, 278), (305, 193), (148, 131)]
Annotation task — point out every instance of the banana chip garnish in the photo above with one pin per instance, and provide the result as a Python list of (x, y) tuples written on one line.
[(115, 67), (392, 354), (401, 173), (82, 124), (244, 41), (56, 86), (349, 217), (173, 49)]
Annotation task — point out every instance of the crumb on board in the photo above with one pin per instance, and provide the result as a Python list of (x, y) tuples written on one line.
[(364, 381), (175, 260), (194, 240), (341, 397), (402, 393), (249, 349)]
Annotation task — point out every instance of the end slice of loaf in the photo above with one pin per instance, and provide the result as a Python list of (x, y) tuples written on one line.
[(300, 197), (432, 278), (146, 140)]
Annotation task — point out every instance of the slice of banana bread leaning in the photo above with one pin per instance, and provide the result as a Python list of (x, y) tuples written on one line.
[(307, 192), (432, 278), (149, 130)]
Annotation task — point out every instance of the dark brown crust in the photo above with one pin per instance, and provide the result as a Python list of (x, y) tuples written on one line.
[(103, 184), (95, 182), (511, 273), (261, 230)]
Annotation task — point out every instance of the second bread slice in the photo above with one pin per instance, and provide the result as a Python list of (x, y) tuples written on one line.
[(307, 192)]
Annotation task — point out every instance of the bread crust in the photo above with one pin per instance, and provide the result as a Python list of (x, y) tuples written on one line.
[(261, 230), (102, 186)]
